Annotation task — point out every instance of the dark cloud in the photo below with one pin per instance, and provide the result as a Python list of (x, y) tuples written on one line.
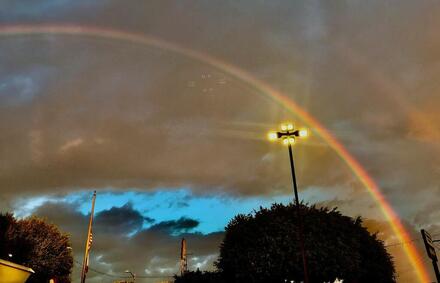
[(153, 111), (174, 227), (68, 218), (158, 133), (121, 220)]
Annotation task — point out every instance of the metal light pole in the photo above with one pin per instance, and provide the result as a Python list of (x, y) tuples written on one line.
[(288, 136)]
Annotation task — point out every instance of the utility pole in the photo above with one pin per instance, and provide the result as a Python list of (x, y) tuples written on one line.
[(183, 258), (85, 265), (430, 250)]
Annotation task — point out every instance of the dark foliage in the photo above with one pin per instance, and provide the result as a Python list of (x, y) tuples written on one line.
[(38, 245), (264, 247), (200, 277), (7, 221)]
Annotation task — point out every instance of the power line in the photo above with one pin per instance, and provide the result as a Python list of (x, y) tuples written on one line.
[(104, 273), (124, 277), (407, 242)]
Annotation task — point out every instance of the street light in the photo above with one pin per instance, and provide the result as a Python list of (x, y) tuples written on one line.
[(288, 136), (132, 275)]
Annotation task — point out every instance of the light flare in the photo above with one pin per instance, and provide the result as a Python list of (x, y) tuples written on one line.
[(303, 133), (272, 136)]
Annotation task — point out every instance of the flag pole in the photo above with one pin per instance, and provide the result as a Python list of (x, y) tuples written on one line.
[(87, 248)]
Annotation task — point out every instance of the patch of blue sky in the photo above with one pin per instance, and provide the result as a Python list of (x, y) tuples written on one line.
[(213, 211)]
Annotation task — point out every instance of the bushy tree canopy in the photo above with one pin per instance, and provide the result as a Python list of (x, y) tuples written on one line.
[(38, 245), (264, 247)]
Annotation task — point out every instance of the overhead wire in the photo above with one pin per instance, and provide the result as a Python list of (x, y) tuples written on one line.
[(407, 242), (123, 277)]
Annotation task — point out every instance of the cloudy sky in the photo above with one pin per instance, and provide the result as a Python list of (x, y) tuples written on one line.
[(175, 147)]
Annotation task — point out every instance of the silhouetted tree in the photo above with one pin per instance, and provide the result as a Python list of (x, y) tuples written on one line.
[(38, 245), (264, 247)]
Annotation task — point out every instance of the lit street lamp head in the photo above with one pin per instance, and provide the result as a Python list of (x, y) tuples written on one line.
[(288, 134)]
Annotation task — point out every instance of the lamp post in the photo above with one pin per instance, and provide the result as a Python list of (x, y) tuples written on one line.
[(132, 275), (288, 135)]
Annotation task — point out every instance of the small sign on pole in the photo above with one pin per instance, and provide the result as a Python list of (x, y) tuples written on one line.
[(430, 250)]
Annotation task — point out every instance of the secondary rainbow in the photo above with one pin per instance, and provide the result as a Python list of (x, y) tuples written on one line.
[(105, 33)]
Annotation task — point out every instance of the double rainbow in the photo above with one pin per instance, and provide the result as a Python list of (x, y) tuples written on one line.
[(86, 31)]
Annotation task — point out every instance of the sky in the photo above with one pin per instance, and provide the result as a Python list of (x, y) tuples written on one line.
[(176, 147)]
